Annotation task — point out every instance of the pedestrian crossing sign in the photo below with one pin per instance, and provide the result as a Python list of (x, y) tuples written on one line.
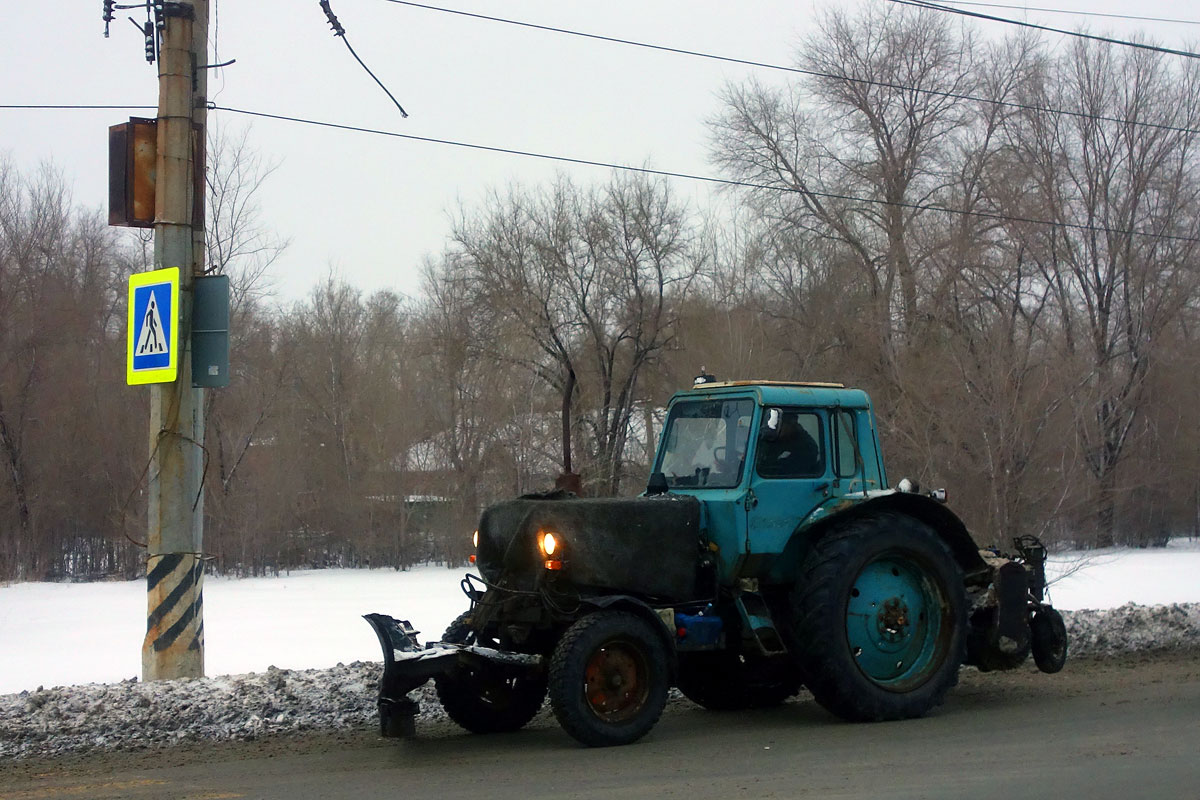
[(153, 332)]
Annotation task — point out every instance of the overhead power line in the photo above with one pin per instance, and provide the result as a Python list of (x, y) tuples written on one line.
[(71, 106), (1073, 13), (795, 70), (702, 178), (1079, 34)]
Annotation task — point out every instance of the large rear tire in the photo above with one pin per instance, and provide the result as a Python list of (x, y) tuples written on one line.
[(725, 681), (484, 700), (879, 619), (608, 679)]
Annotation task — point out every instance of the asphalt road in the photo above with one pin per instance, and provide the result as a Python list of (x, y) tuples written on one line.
[(1124, 729)]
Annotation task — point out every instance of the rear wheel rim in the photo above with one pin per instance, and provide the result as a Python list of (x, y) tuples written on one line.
[(616, 681), (895, 624)]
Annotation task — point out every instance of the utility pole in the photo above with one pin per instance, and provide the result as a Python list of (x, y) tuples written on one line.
[(174, 644)]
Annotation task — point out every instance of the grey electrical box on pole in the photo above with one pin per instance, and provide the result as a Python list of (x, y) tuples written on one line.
[(210, 332), (174, 644)]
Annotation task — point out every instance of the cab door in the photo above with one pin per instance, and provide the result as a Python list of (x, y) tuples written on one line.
[(789, 478)]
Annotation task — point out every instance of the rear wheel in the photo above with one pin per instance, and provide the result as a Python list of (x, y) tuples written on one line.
[(608, 679), (1048, 635), (879, 619), (485, 699), (725, 681)]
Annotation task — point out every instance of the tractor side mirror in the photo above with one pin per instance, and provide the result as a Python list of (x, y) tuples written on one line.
[(771, 425)]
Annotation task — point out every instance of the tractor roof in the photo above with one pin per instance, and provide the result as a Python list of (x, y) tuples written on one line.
[(785, 393), (822, 384)]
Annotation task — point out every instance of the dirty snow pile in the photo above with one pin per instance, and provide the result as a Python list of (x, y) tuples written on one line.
[(1132, 627), (130, 714), (127, 715)]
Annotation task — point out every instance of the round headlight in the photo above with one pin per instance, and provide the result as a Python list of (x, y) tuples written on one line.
[(549, 544), (475, 539)]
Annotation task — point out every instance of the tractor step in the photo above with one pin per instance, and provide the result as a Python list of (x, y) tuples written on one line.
[(756, 618)]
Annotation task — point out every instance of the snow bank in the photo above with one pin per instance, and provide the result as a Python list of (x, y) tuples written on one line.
[(1132, 627), (49, 722), (130, 715)]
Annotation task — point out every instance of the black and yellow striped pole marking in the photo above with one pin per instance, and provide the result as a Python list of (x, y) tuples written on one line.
[(175, 622)]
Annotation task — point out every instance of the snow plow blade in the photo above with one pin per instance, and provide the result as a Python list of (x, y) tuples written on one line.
[(407, 665)]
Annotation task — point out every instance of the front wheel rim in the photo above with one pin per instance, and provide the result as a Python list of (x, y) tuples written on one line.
[(616, 681), (895, 622)]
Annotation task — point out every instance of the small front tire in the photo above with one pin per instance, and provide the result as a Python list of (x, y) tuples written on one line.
[(608, 679), (1048, 639)]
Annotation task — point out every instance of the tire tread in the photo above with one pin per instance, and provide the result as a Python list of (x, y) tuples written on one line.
[(819, 624)]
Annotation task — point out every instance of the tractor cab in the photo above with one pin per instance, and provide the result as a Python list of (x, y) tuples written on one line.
[(766, 459)]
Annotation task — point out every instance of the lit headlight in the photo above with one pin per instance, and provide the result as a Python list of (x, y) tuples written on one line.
[(548, 543), (475, 540)]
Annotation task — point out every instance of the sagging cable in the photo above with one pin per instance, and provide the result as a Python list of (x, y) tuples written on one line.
[(340, 31)]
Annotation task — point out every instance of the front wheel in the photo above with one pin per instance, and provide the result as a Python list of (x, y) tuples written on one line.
[(608, 679), (879, 619)]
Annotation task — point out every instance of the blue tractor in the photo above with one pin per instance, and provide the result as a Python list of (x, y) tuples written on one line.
[(768, 553)]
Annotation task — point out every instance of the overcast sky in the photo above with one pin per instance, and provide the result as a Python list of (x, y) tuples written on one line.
[(372, 208)]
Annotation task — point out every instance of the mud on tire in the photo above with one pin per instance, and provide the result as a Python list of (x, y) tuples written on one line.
[(879, 619), (608, 678), (484, 700)]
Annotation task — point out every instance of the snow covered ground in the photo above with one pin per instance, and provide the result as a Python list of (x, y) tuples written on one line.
[(64, 634), (1115, 576), (53, 636)]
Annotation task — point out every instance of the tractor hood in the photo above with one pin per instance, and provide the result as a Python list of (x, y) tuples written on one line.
[(649, 547)]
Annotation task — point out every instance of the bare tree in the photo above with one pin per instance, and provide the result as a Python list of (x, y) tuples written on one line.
[(237, 242), (855, 156), (239, 417), (60, 352), (587, 279), (466, 402), (1120, 260)]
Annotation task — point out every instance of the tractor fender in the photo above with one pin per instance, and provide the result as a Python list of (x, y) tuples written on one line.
[(624, 602), (929, 511)]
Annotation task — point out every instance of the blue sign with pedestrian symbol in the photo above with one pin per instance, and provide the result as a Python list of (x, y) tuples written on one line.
[(153, 335)]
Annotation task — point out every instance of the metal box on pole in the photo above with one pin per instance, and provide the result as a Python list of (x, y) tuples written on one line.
[(132, 151), (210, 331)]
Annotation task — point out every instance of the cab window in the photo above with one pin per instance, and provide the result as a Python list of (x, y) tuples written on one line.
[(705, 443), (847, 443), (796, 452)]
